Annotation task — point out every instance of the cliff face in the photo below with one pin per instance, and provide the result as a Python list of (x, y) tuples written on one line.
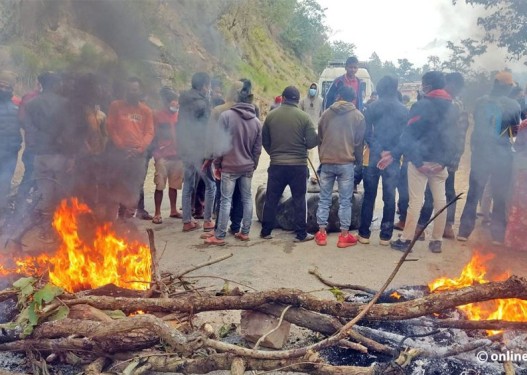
[(161, 40)]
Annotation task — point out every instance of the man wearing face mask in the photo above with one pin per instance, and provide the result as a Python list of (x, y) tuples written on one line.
[(131, 130), (10, 137), (168, 166), (312, 105)]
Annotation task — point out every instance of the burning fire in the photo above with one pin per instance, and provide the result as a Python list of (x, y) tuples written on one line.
[(395, 295), (85, 263), (510, 309)]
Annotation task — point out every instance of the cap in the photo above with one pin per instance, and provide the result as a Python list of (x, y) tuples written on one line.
[(7, 78), (505, 78), (291, 93)]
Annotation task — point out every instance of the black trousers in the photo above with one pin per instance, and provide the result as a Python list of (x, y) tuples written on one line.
[(278, 177)]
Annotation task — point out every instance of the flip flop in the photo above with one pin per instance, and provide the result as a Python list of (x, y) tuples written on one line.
[(157, 220), (177, 216), (193, 225)]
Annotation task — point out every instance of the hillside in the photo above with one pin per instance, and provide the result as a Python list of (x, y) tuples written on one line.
[(162, 41)]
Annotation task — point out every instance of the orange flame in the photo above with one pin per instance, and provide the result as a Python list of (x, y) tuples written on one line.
[(81, 264), (395, 295), (511, 309)]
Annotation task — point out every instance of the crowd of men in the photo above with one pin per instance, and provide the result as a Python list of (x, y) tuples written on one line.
[(78, 141)]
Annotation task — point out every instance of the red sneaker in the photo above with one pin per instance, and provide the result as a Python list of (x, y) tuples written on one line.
[(321, 238), (346, 241)]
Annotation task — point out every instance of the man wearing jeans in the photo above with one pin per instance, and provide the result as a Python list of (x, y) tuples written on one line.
[(191, 139), (341, 133), (386, 119), (287, 134), (238, 135), (428, 145)]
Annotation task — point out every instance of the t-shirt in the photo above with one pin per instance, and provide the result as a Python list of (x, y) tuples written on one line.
[(165, 134), (130, 126)]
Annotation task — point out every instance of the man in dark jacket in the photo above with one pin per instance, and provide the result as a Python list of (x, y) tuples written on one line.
[(385, 121), (287, 134), (191, 138), (349, 80), (426, 143), (10, 137), (241, 130), (454, 85), (496, 118), (341, 134), (46, 120)]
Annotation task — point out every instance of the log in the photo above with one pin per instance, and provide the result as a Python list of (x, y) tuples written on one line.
[(514, 287), (224, 361), (324, 324), (52, 345), (132, 333), (489, 325)]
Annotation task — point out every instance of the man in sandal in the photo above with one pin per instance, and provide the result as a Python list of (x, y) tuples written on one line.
[(191, 138), (167, 163), (238, 134)]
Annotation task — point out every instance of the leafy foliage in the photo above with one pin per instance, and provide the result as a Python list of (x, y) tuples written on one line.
[(506, 24), (35, 305)]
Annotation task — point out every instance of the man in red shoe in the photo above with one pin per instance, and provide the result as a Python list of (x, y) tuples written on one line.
[(341, 132)]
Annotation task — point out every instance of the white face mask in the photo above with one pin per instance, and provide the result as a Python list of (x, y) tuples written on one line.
[(174, 109)]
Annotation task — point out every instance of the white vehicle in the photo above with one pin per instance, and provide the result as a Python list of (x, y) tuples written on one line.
[(336, 69)]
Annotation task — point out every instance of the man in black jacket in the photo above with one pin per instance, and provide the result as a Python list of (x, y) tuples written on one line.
[(426, 143), (385, 121), (496, 118)]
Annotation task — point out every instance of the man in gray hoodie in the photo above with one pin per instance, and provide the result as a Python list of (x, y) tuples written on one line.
[(238, 145)]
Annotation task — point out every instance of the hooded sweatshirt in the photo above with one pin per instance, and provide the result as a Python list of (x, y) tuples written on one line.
[(312, 105), (240, 135), (10, 136), (341, 132), (191, 137), (428, 136)]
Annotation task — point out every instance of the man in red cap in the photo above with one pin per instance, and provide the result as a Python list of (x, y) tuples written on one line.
[(496, 118)]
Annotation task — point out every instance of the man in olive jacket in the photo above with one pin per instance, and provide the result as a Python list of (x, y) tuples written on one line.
[(287, 134)]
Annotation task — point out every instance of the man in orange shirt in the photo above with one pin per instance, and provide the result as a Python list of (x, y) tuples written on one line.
[(131, 130)]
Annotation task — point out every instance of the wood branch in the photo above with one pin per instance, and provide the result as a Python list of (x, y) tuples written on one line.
[(96, 366), (52, 345), (194, 268), (323, 280), (489, 325), (353, 345), (514, 287), (224, 362), (237, 366), (324, 324), (120, 335), (156, 274)]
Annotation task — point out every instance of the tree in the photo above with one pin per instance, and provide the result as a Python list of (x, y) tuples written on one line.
[(506, 25), (462, 55), (342, 50)]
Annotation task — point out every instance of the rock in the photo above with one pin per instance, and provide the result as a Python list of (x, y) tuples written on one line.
[(284, 214), (255, 324)]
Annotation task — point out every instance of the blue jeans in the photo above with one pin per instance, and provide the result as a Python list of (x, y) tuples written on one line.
[(344, 175), (371, 176), (228, 184), (189, 184)]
